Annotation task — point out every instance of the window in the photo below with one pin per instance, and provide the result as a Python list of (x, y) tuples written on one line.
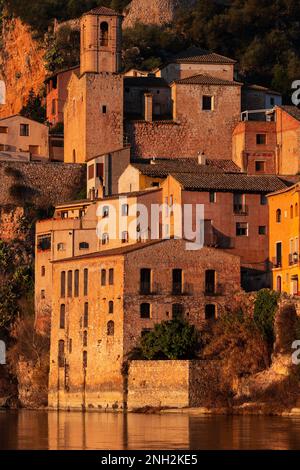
[(212, 197), (125, 209), (278, 250), (145, 310), (62, 317), (177, 311), (76, 283), (155, 184), (61, 247), (104, 109), (85, 339), (177, 281), (145, 281), (61, 353), (70, 280), (44, 242), (210, 281), (110, 328), (239, 206), (111, 277), (263, 200), (104, 34), (210, 312), (110, 307), (83, 246), (24, 130), (296, 210), (74, 155), (278, 283), (125, 237), (43, 295), (84, 359), (105, 239), (43, 271), (3, 130), (91, 172), (63, 284), (278, 216), (262, 230), (261, 139), (53, 107), (99, 170), (272, 101), (291, 212), (260, 166), (242, 229), (103, 277), (85, 281), (70, 345), (105, 211), (86, 315), (207, 103), (64, 214)]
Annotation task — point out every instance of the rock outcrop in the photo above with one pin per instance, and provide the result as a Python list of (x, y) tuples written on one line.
[(157, 12), (21, 65)]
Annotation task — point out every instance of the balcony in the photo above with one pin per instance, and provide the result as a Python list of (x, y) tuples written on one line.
[(240, 209), (293, 259), (276, 262), (214, 291)]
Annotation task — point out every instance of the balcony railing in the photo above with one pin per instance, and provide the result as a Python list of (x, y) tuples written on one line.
[(276, 262), (293, 258), (240, 209)]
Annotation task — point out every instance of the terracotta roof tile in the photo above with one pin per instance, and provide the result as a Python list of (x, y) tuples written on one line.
[(292, 111), (197, 55), (206, 80), (102, 11), (229, 182), (145, 82), (228, 166), (161, 169)]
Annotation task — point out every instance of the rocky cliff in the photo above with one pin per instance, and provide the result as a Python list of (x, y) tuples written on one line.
[(21, 65), (154, 11)]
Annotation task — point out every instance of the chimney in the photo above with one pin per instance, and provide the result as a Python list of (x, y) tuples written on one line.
[(201, 158), (148, 107)]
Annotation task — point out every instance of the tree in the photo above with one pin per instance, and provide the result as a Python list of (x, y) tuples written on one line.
[(264, 314), (175, 339), (34, 109)]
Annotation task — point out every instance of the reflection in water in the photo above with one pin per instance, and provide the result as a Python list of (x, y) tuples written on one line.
[(41, 430)]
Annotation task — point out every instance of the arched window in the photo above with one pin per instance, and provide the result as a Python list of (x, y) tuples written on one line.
[(110, 307), (296, 210), (62, 316), (110, 328), (278, 215), (104, 34), (61, 353), (291, 212), (278, 284)]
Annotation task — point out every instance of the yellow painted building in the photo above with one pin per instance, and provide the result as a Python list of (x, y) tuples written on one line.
[(284, 239)]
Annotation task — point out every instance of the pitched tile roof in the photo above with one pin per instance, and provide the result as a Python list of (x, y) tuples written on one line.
[(229, 182), (228, 166), (145, 82), (102, 11), (162, 168), (261, 88), (206, 80), (198, 55), (292, 111)]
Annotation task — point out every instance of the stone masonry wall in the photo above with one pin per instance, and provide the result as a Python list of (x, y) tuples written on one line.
[(42, 184)]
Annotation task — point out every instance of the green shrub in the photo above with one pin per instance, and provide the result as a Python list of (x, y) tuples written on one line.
[(175, 339), (264, 313)]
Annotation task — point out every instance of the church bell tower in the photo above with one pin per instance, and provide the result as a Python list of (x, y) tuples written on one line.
[(101, 41)]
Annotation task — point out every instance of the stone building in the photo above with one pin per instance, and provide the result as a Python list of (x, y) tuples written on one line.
[(267, 142), (104, 302), (23, 137), (106, 110), (235, 216)]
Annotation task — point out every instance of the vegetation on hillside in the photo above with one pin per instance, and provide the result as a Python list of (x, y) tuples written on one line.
[(262, 35)]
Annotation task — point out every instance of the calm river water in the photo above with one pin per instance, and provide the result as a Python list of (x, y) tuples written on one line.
[(51, 430)]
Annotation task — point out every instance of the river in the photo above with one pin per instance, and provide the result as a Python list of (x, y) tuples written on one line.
[(51, 430)]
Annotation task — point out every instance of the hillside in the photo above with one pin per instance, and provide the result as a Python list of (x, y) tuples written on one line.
[(157, 12), (21, 65)]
